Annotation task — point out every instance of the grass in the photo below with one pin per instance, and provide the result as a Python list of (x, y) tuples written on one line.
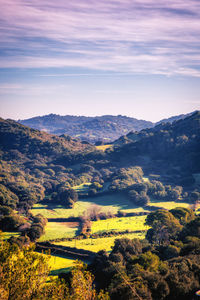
[(169, 205), (108, 203), (103, 147), (7, 235), (83, 187), (119, 224), (58, 211), (58, 264), (114, 203), (146, 179), (95, 245), (55, 230)]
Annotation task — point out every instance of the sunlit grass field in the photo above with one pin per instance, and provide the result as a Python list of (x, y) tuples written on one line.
[(7, 235), (95, 245), (119, 224), (82, 187), (57, 230), (58, 211), (58, 264), (108, 203), (115, 202), (169, 205), (103, 147)]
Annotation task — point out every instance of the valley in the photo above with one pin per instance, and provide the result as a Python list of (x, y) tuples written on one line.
[(74, 200)]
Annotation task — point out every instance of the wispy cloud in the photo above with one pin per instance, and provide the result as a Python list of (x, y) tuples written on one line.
[(141, 36)]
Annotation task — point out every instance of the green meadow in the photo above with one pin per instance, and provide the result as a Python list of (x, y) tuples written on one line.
[(58, 230), (83, 187), (7, 235), (103, 147), (58, 264), (119, 224), (114, 202), (169, 205), (97, 244), (58, 211), (107, 203)]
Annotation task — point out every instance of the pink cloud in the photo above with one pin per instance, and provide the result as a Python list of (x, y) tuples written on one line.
[(120, 35)]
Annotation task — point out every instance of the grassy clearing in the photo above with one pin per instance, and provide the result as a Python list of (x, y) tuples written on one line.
[(146, 179), (7, 235), (57, 230), (58, 264), (103, 147), (84, 187), (114, 203), (169, 205), (108, 203), (58, 211), (95, 245), (119, 224)]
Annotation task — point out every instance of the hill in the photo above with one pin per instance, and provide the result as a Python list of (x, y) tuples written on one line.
[(39, 166), (105, 128), (165, 148), (29, 163), (174, 118)]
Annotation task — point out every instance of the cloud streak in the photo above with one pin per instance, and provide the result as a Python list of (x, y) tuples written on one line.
[(148, 37)]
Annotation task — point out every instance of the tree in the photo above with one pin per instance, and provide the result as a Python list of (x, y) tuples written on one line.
[(195, 196), (191, 229), (164, 226), (127, 248), (67, 197), (148, 261), (7, 197), (81, 285), (22, 272), (10, 222), (184, 215)]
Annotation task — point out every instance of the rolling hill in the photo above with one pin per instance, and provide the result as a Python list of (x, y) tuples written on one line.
[(105, 128), (92, 129)]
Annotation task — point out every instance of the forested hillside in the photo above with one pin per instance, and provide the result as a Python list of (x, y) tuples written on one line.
[(167, 147), (145, 168), (92, 129), (37, 166)]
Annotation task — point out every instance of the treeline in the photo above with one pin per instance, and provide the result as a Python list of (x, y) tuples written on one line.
[(140, 194)]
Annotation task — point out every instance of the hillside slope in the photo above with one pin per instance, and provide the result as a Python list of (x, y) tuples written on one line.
[(35, 165), (165, 147), (92, 129), (105, 128)]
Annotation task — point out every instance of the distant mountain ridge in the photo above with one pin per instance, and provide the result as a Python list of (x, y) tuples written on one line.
[(106, 128), (175, 118)]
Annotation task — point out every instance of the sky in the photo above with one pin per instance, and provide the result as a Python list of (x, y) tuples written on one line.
[(139, 58)]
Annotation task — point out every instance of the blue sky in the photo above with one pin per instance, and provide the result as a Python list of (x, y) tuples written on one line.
[(87, 57)]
